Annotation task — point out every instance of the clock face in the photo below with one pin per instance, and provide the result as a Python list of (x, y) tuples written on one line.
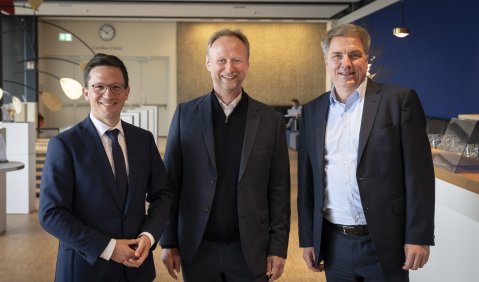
[(106, 32)]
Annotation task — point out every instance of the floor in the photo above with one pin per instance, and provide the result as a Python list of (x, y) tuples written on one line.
[(28, 253)]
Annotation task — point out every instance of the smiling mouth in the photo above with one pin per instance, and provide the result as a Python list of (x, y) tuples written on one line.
[(106, 104), (346, 73), (229, 76)]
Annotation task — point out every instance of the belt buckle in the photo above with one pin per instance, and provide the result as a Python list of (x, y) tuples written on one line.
[(352, 231)]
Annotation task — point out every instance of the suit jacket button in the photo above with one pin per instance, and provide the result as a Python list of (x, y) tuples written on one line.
[(207, 209), (212, 181)]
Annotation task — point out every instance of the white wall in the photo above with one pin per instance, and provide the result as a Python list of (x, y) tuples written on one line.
[(148, 49)]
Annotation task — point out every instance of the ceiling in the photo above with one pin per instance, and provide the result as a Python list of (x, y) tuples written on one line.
[(302, 10)]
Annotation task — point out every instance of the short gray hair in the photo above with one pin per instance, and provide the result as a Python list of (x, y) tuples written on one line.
[(346, 30)]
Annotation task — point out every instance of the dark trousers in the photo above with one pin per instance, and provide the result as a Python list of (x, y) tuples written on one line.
[(353, 258), (219, 263)]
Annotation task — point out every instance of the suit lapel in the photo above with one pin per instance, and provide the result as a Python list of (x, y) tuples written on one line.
[(252, 124), (206, 120), (320, 120), (370, 109), (94, 146)]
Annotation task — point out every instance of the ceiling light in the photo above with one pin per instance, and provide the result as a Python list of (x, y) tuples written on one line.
[(402, 31), (71, 87)]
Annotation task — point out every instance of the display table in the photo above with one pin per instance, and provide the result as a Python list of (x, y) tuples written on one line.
[(20, 142), (454, 257), (4, 168)]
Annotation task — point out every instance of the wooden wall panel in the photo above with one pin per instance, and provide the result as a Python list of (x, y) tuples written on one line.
[(286, 60)]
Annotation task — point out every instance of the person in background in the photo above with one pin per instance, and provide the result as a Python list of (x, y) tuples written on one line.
[(365, 172), (293, 114), (96, 178), (226, 156)]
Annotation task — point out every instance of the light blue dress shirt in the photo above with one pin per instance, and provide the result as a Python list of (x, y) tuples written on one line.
[(342, 202)]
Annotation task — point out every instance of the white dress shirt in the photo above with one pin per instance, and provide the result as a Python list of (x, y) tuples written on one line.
[(342, 202), (101, 128)]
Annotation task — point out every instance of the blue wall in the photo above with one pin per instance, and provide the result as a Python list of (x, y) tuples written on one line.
[(440, 58)]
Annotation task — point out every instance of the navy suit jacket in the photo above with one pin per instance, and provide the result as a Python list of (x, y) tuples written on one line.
[(79, 203), (263, 186), (395, 174)]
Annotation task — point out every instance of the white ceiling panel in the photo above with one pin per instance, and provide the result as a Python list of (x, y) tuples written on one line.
[(199, 10)]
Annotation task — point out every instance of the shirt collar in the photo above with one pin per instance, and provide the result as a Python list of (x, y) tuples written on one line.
[(360, 92), (101, 127), (229, 108)]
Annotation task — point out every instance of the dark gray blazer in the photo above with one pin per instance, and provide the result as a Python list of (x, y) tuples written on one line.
[(263, 185), (394, 172)]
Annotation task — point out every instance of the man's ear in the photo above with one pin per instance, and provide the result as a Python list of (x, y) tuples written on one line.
[(208, 63), (85, 94)]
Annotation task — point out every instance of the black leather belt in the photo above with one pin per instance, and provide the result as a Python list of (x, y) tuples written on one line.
[(352, 230)]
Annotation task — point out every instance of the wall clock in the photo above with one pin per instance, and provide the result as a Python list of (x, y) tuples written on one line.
[(106, 32)]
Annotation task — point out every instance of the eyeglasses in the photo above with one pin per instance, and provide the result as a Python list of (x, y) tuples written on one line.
[(115, 88)]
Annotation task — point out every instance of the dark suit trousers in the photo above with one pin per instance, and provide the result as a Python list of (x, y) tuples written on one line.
[(215, 262), (353, 259)]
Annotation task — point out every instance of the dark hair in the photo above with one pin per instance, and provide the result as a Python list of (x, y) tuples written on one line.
[(105, 60), (296, 101), (346, 30), (228, 32)]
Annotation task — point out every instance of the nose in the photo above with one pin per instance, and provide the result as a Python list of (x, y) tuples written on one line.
[(346, 61), (229, 65)]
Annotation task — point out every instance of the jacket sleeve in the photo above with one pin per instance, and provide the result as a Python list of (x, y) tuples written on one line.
[(56, 202), (173, 164), (160, 194), (305, 201), (279, 195), (419, 173)]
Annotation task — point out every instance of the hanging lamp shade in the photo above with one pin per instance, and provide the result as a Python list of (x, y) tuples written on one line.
[(51, 101), (71, 87), (401, 31), (35, 4), (17, 105)]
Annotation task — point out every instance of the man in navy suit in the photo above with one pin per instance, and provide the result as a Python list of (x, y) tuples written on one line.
[(227, 157), (95, 204), (365, 173)]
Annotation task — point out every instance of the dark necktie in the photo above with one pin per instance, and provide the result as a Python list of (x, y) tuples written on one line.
[(119, 163)]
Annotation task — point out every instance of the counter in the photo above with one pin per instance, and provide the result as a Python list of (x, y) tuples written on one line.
[(454, 257)]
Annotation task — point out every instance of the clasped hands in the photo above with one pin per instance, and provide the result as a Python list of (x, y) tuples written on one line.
[(131, 252)]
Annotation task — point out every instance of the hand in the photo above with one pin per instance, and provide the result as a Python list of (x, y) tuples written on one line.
[(142, 250), (308, 256), (123, 250), (416, 256), (274, 267), (172, 261)]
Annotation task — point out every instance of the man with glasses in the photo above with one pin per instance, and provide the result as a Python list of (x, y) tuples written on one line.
[(96, 178)]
